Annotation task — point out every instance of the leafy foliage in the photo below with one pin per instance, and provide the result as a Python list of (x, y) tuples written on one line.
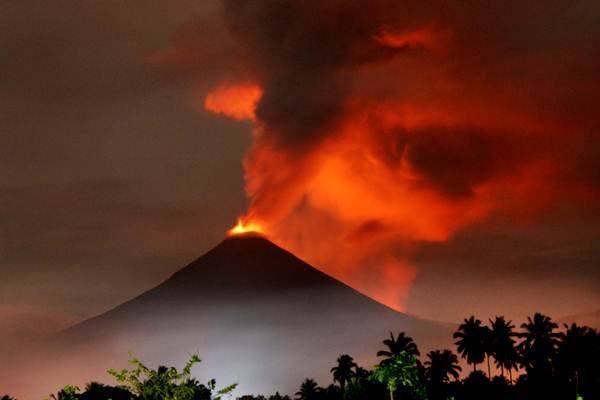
[(167, 383), (400, 371)]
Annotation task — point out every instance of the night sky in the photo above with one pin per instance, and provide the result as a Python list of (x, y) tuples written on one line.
[(444, 160)]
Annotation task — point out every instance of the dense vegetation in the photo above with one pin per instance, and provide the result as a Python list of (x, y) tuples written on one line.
[(536, 362)]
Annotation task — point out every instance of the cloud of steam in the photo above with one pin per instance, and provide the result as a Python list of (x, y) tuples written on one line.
[(382, 124)]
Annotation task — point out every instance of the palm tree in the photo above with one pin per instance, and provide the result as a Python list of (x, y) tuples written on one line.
[(397, 345), (503, 344), (440, 366), (69, 392), (343, 371), (278, 396), (360, 372), (471, 341), (487, 347), (98, 391), (331, 392), (309, 390), (576, 358), (539, 344)]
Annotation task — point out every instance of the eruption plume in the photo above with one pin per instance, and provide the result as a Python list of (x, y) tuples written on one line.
[(379, 125), (242, 228)]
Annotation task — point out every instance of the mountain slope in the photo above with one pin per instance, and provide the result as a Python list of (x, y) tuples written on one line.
[(255, 313)]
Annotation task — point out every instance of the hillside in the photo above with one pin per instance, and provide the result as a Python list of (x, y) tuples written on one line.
[(255, 313)]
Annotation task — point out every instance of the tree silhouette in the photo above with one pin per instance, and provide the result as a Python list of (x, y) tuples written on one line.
[(558, 365), (398, 345), (539, 345), (503, 345), (487, 347), (331, 392), (360, 372), (471, 341), (362, 386), (577, 359), (440, 366), (476, 386), (69, 392), (309, 390), (344, 370), (278, 396), (99, 391)]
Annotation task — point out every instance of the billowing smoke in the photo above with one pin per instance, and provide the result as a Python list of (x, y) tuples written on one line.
[(382, 124)]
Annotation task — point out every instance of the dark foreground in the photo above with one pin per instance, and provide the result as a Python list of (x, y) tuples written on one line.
[(540, 361)]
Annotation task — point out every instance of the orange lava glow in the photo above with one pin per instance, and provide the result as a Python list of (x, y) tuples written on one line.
[(424, 37), (242, 228), (382, 127), (236, 101)]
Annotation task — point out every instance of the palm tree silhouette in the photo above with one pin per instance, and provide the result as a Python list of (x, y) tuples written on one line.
[(397, 345), (278, 396), (487, 347), (503, 344), (576, 355), (471, 341), (309, 390), (344, 370), (539, 344), (99, 391), (69, 392), (440, 366)]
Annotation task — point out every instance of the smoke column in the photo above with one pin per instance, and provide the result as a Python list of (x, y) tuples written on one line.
[(379, 125)]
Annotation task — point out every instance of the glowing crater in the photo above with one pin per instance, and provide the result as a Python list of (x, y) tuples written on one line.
[(244, 228)]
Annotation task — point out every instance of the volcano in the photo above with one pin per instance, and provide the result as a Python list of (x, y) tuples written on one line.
[(255, 313)]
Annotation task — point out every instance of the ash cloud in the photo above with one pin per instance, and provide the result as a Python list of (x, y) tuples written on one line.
[(424, 118), (298, 51)]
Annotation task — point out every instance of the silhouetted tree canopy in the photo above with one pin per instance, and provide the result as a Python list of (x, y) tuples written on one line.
[(551, 365)]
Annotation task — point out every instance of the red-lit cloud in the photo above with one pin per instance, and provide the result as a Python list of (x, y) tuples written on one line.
[(380, 125), (238, 102)]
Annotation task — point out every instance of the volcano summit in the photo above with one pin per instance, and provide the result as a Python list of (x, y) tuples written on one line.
[(255, 313)]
